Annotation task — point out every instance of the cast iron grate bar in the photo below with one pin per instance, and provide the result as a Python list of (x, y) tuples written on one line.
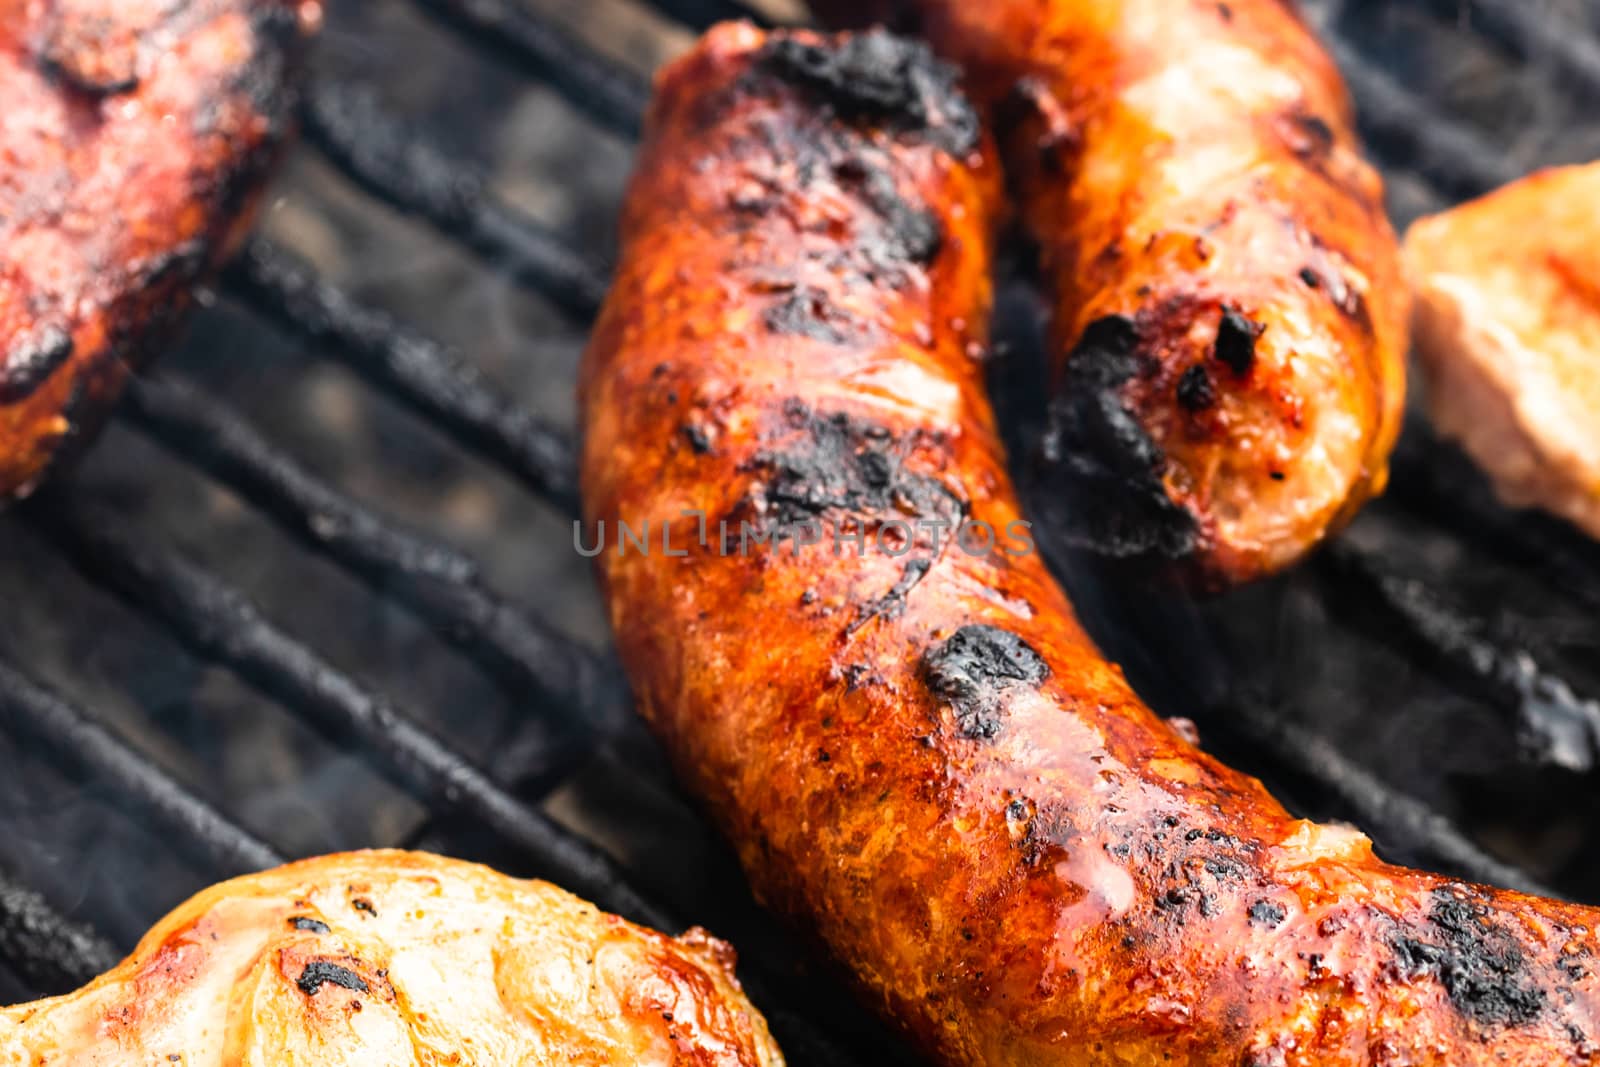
[(86, 748), (1534, 33), (47, 950), (608, 92), (221, 625), (1437, 483), (1411, 134), (382, 154), (1556, 725), (1395, 818), (437, 583), (411, 367)]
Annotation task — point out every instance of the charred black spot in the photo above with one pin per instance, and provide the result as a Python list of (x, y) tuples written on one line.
[(323, 972), (839, 463), (878, 77), (307, 923), (698, 439), (974, 670), (893, 603), (32, 359), (1099, 472), (1268, 913), (807, 312), (1480, 964), (1236, 341), (1310, 277), (909, 234), (362, 904), (1196, 391)]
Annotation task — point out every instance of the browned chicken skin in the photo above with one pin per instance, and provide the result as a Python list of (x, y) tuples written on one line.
[(134, 134), (1230, 319), (1508, 335), (920, 755), (383, 959)]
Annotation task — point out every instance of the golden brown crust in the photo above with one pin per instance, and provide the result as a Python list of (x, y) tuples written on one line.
[(1508, 324), (377, 959), (1189, 169), (919, 754), (135, 133)]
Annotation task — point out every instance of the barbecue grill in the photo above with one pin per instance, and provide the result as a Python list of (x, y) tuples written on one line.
[(233, 598)]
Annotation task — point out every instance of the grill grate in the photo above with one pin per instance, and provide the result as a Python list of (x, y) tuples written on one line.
[(574, 696)]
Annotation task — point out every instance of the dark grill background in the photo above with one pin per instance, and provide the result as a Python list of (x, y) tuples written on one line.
[(1434, 666)]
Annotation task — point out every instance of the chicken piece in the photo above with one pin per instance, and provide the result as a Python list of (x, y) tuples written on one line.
[(134, 139), (378, 959), (1508, 335), (892, 711), (1230, 326)]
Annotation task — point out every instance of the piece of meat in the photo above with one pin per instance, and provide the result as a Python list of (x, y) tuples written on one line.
[(1230, 323), (134, 137), (918, 752), (378, 959), (1508, 335)]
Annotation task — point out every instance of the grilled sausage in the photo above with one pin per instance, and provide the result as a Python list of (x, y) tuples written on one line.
[(373, 959), (919, 754), (1508, 324), (134, 137), (1230, 329)]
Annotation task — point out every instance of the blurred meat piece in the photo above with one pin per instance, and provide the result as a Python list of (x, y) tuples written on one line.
[(134, 136), (376, 958), (1508, 330)]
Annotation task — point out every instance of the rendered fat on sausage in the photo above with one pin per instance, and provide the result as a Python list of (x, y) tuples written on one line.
[(1230, 321), (919, 754)]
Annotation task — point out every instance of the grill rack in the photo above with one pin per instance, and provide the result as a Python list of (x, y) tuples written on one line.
[(442, 587)]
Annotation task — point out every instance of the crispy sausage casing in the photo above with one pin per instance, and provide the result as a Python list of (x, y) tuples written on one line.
[(378, 959), (134, 134), (918, 752), (1230, 318)]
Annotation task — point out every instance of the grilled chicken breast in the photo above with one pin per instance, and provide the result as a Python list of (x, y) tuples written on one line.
[(134, 136), (1508, 335), (1230, 323), (378, 959), (917, 750)]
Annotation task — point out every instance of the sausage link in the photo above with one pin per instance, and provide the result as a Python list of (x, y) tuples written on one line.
[(918, 752), (1231, 326)]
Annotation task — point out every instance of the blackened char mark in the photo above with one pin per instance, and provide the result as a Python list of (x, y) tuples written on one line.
[(33, 357), (879, 77), (308, 924), (832, 462), (807, 312), (324, 972), (1097, 484), (974, 671), (1236, 341), (908, 235), (1480, 965), (893, 603), (1196, 391)]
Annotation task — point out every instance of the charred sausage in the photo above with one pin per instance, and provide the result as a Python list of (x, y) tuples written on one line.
[(370, 959), (134, 136), (918, 752), (1230, 330)]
